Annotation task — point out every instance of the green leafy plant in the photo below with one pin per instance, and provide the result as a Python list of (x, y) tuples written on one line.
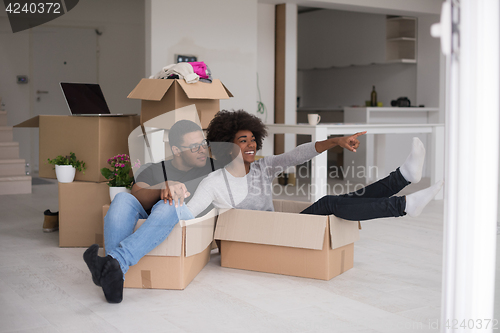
[(119, 176), (68, 160)]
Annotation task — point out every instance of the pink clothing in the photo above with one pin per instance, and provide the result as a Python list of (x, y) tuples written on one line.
[(200, 68)]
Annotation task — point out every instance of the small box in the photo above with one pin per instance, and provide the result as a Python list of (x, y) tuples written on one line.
[(162, 95), (93, 140), (178, 259), (285, 242), (80, 213)]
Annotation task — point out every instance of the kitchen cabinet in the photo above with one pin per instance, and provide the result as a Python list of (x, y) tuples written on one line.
[(401, 39)]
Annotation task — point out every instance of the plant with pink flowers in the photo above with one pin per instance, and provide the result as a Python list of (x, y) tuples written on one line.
[(119, 174)]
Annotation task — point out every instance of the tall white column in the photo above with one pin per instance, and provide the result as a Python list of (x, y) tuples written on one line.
[(471, 166)]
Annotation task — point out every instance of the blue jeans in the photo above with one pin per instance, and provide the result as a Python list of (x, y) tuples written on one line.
[(371, 202), (127, 246)]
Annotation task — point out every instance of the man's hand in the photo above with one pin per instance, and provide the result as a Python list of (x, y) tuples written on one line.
[(174, 193), (350, 142)]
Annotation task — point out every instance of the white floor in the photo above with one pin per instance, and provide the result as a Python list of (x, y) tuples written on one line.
[(395, 285)]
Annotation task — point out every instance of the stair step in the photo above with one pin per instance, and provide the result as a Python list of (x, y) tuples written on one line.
[(6, 134), (12, 167), (3, 118), (9, 150), (15, 185)]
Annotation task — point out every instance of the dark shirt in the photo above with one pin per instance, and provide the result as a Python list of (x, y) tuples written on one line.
[(157, 173)]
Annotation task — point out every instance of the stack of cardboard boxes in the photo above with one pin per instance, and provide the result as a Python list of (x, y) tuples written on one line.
[(93, 140)]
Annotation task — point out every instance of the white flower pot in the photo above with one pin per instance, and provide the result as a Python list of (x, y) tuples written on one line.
[(65, 173), (115, 190)]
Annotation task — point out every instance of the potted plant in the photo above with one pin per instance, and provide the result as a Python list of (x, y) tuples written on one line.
[(66, 167), (119, 178)]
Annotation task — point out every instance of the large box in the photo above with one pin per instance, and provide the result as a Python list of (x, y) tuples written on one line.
[(178, 259), (159, 96), (80, 213), (93, 140), (285, 242)]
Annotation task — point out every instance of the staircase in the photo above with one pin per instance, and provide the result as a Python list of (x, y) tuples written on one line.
[(13, 179)]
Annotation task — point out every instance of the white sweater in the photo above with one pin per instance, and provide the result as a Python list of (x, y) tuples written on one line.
[(254, 190)]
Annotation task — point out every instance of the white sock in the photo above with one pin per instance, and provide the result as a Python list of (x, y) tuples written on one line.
[(412, 167), (416, 202)]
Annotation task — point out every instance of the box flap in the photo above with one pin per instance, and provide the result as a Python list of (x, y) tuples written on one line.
[(202, 90), (227, 90), (32, 122), (294, 206), (342, 231), (170, 247), (272, 228), (199, 233), (151, 89), (278, 205)]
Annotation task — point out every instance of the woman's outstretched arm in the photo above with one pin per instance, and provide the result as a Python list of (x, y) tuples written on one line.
[(276, 164), (348, 142)]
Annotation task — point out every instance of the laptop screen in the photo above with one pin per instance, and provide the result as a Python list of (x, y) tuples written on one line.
[(84, 98)]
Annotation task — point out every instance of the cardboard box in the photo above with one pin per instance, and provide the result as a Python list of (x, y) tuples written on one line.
[(92, 139), (80, 213), (176, 261), (160, 96), (285, 242)]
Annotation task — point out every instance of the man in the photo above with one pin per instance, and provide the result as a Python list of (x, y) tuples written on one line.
[(157, 186)]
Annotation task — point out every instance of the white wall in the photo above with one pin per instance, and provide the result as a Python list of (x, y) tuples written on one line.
[(387, 6), (121, 61), (14, 60), (340, 38), (428, 62), (392, 7), (222, 33), (265, 65), (339, 87), (265, 58), (329, 38), (291, 28)]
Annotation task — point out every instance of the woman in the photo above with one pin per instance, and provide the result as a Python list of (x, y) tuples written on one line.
[(248, 184)]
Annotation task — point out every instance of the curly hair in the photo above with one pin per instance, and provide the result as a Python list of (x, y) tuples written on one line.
[(226, 124)]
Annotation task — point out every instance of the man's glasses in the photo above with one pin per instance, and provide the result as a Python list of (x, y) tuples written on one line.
[(195, 147)]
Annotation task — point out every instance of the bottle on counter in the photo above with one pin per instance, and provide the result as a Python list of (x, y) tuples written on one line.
[(373, 99)]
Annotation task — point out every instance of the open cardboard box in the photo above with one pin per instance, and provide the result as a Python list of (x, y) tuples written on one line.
[(178, 259), (285, 242), (159, 96), (80, 213), (93, 140)]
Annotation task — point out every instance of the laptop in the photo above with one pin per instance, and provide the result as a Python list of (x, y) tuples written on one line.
[(86, 99)]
